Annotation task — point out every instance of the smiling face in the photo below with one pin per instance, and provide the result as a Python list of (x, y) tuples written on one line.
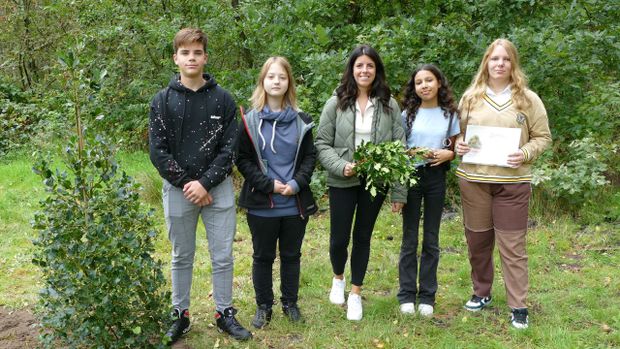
[(364, 71), (191, 59), (276, 81), (499, 65), (426, 87)]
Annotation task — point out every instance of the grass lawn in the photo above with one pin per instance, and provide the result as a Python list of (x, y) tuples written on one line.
[(574, 297)]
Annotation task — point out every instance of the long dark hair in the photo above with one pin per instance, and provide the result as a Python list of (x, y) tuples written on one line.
[(347, 90), (412, 101)]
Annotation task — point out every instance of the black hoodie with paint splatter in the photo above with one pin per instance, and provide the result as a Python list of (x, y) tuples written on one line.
[(193, 134)]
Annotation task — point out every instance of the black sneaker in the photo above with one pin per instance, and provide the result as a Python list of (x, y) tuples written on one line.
[(262, 316), (476, 303), (226, 322), (518, 318), (180, 326), (291, 310)]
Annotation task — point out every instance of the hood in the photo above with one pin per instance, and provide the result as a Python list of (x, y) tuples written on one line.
[(175, 83)]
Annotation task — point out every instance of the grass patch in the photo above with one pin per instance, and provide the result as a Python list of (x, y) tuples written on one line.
[(574, 284)]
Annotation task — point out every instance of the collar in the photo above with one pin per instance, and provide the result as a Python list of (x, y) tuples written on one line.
[(507, 91)]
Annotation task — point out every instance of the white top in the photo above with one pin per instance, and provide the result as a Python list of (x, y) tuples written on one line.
[(363, 122), (500, 98)]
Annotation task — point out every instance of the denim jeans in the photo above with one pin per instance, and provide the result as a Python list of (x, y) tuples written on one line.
[(431, 191)]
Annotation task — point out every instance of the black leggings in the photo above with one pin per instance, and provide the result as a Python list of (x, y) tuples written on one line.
[(288, 233), (342, 206)]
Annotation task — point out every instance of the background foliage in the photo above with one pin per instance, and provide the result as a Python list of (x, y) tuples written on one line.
[(569, 49)]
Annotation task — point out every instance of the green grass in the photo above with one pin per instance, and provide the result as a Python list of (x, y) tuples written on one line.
[(574, 281)]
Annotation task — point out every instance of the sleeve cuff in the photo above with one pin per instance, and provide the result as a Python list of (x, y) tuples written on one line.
[(294, 185), (526, 155)]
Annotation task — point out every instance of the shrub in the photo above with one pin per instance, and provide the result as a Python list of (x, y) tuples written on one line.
[(576, 181), (102, 288)]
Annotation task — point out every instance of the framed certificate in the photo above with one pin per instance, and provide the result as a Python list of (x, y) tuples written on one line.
[(491, 145)]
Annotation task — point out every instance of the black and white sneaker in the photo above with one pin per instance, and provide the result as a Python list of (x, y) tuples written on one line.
[(476, 303), (519, 318), (226, 322), (180, 326)]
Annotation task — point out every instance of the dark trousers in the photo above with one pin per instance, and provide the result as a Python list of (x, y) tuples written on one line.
[(344, 203), (267, 232), (431, 188)]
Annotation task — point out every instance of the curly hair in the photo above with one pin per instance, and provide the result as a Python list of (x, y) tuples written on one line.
[(347, 91), (445, 97)]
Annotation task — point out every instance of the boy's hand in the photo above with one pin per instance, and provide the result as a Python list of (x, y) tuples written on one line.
[(197, 194)]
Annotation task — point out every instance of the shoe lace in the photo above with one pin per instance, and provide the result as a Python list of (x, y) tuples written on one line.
[(519, 316), (476, 299)]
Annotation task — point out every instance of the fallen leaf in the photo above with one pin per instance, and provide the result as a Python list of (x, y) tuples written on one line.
[(606, 328), (607, 281), (464, 319)]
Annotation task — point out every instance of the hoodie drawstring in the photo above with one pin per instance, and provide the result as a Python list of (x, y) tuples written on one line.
[(273, 135)]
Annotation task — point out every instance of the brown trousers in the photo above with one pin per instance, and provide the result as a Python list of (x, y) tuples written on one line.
[(497, 212)]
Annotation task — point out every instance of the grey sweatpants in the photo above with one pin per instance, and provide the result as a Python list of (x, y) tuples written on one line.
[(220, 224)]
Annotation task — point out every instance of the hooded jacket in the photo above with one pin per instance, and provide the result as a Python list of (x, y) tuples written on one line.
[(192, 134), (257, 189)]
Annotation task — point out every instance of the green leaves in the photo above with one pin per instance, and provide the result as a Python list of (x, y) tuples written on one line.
[(102, 287), (383, 164)]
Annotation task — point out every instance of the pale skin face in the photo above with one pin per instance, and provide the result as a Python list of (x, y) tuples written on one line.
[(364, 72), (191, 59), (426, 87), (499, 67), (275, 84)]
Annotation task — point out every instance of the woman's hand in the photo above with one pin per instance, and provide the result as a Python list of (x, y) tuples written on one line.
[(439, 156), (349, 169), (397, 206), (516, 159), (461, 148)]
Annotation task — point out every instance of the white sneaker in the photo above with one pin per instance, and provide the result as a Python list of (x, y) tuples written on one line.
[(336, 295), (407, 308), (425, 310), (354, 307)]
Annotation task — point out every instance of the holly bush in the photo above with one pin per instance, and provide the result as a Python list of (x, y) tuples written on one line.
[(102, 287)]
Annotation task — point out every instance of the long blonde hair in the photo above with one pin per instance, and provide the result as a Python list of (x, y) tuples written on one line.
[(259, 97), (479, 83)]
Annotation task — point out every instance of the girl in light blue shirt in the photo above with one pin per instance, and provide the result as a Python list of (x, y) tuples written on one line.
[(431, 122)]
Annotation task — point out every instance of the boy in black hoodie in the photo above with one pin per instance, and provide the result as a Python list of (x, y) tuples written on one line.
[(192, 134)]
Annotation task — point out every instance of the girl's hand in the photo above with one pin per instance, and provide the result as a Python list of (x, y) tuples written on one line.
[(461, 148), (516, 159), (439, 156), (278, 187)]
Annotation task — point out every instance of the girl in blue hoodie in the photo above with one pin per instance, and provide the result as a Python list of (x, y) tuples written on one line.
[(276, 158)]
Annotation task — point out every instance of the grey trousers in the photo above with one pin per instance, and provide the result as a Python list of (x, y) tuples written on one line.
[(219, 219)]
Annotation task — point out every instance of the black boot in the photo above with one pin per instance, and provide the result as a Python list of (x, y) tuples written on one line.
[(291, 310), (180, 326), (226, 322), (262, 316)]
